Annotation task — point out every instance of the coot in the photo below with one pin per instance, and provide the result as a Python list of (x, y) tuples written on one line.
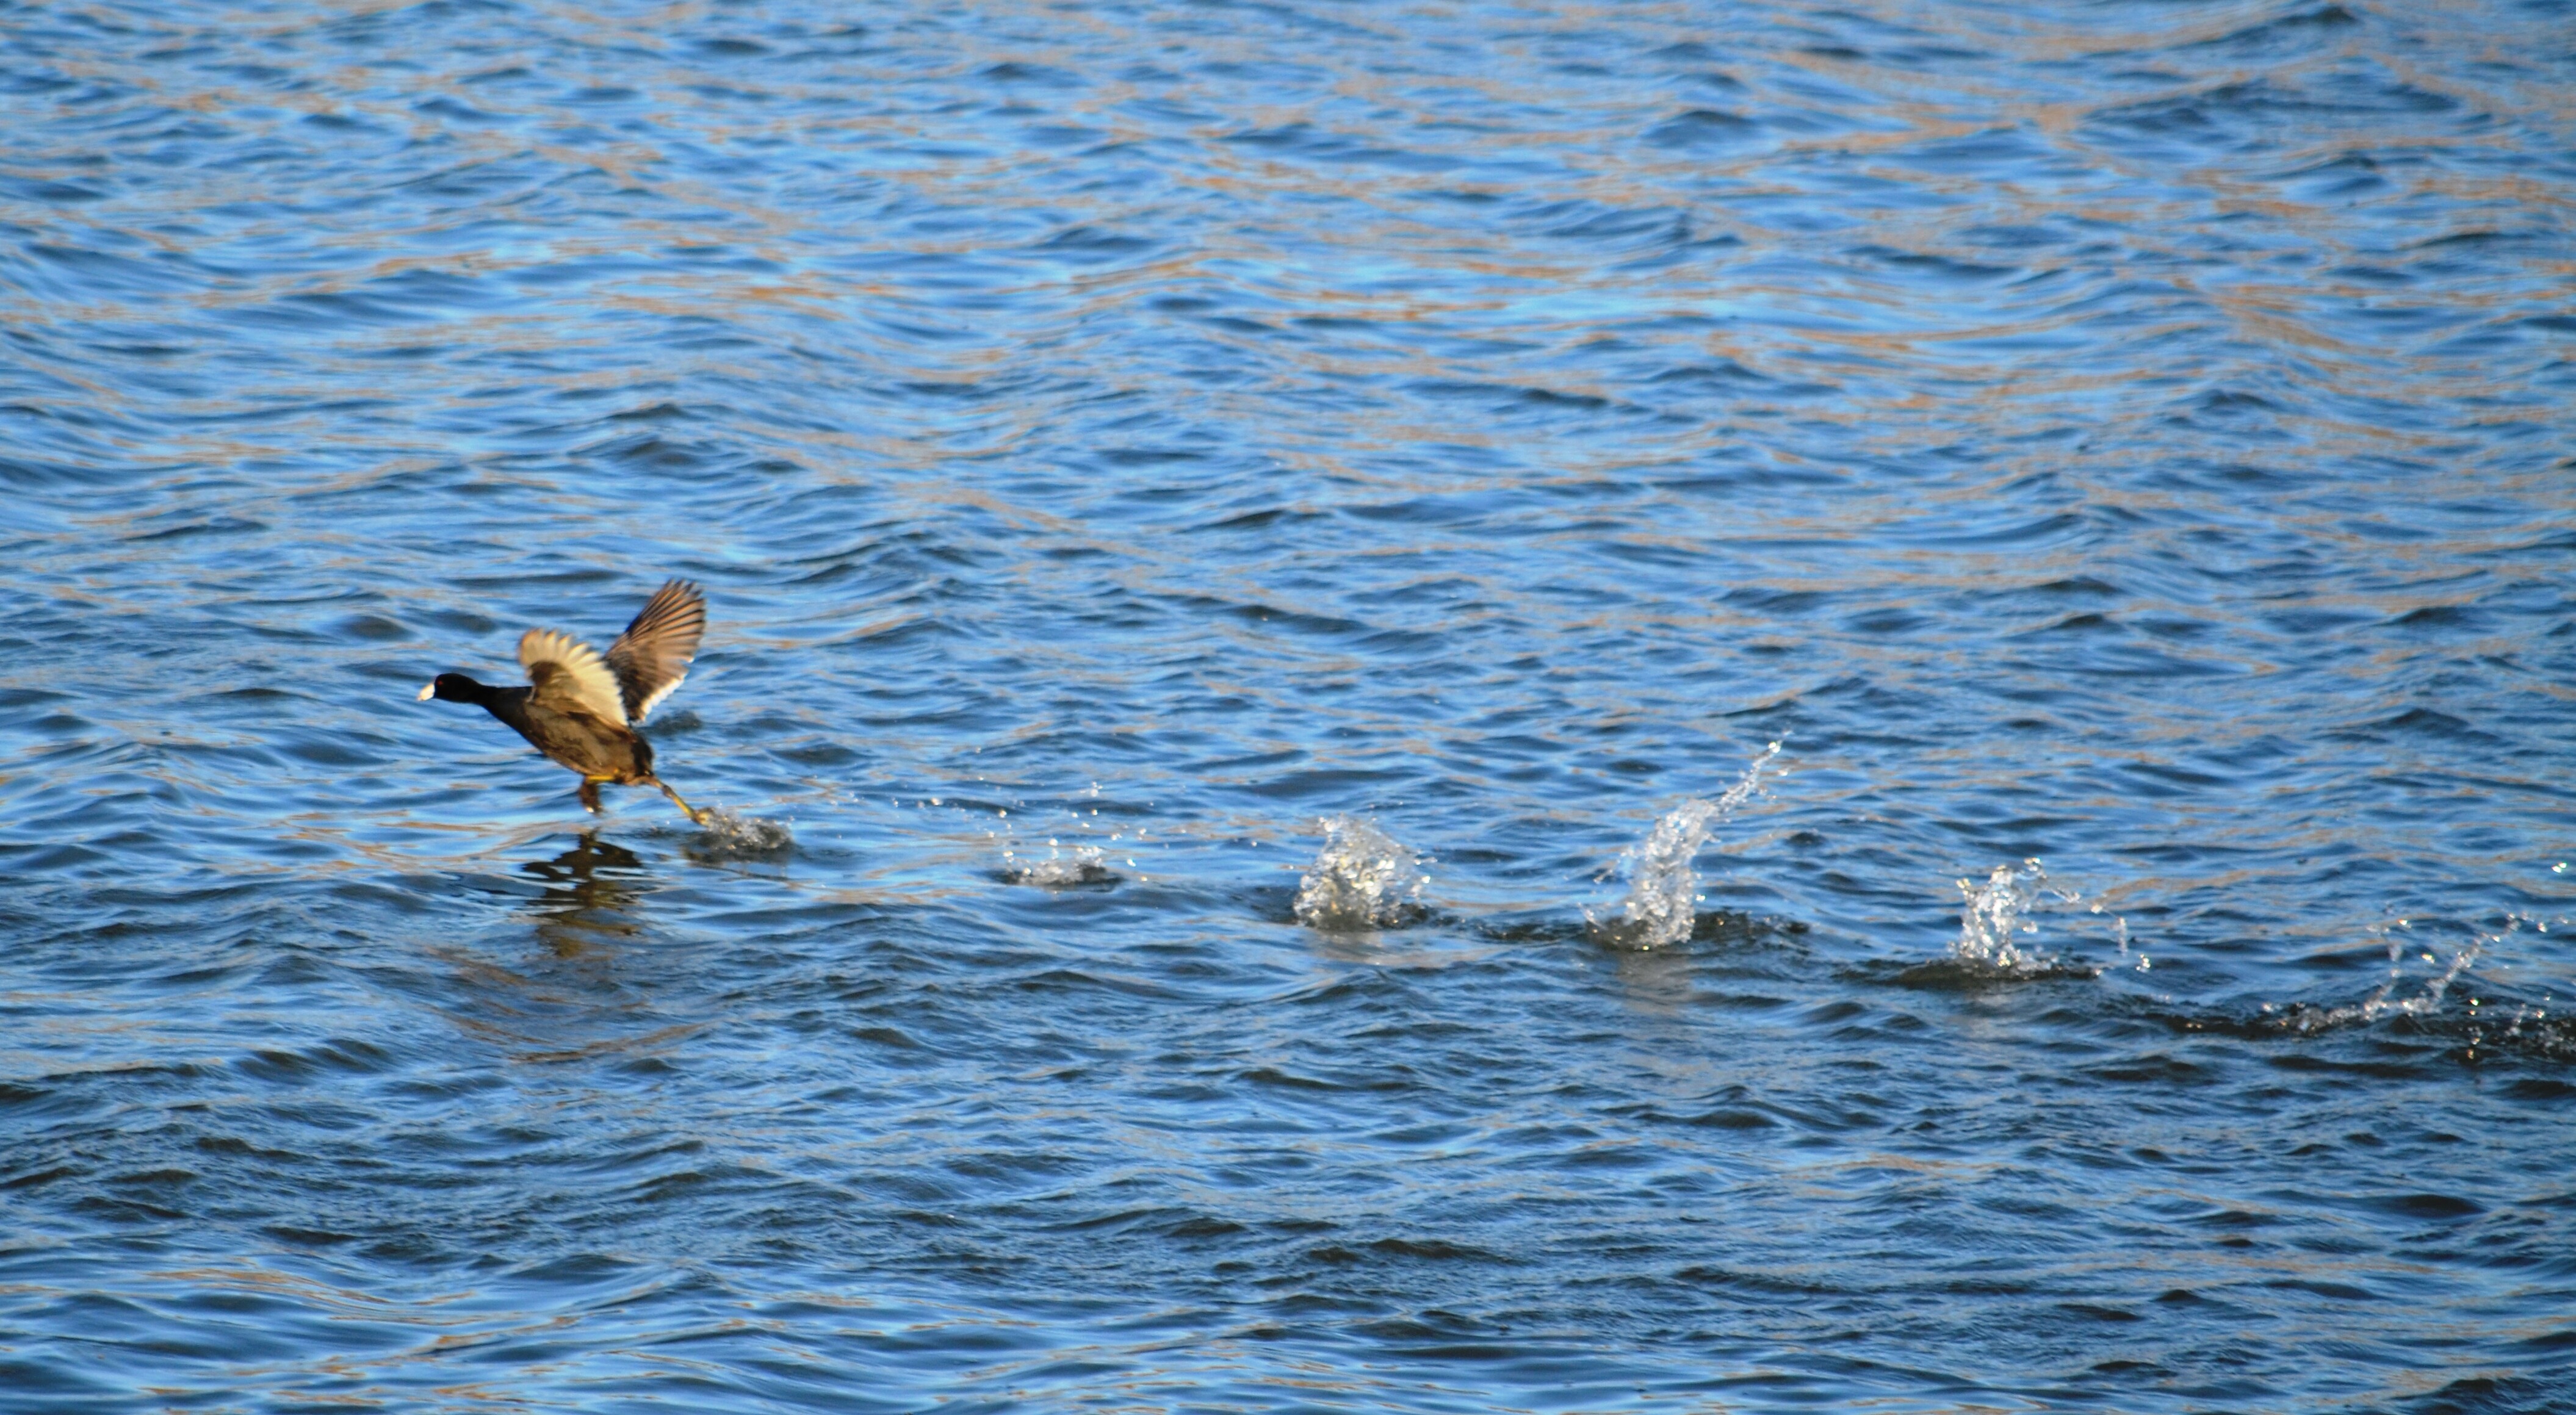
[(581, 710)]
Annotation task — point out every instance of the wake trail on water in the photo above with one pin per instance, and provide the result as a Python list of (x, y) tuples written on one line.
[(1363, 880), (1663, 887)]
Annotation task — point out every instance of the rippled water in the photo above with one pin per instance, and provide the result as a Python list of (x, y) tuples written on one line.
[(2133, 436)]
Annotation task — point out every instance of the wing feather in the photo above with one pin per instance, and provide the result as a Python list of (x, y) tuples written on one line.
[(652, 657), (569, 676)]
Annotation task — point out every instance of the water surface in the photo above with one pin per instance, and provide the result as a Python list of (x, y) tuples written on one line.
[(1119, 439)]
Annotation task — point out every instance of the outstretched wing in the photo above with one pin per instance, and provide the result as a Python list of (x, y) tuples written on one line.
[(568, 676), (653, 655)]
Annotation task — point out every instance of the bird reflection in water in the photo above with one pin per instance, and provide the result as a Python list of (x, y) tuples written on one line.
[(590, 888)]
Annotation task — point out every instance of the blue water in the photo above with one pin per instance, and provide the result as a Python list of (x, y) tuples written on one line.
[(1118, 439)]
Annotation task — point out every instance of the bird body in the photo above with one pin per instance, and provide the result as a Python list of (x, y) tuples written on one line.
[(581, 708)]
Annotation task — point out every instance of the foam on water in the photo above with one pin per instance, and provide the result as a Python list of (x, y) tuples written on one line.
[(1361, 880), (1663, 888)]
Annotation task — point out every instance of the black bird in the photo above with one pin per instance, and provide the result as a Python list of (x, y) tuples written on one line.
[(580, 709)]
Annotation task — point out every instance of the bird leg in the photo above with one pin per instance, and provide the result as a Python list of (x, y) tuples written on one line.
[(696, 816), (590, 793)]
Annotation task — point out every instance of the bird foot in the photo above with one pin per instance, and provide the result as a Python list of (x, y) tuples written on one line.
[(695, 815), (590, 796)]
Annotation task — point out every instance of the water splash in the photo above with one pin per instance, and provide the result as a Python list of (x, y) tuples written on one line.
[(731, 834), (2384, 1000), (1995, 914), (1663, 889), (1085, 863), (1086, 866), (1361, 880)]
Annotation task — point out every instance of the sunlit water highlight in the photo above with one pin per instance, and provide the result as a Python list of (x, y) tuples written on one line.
[(1116, 437)]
